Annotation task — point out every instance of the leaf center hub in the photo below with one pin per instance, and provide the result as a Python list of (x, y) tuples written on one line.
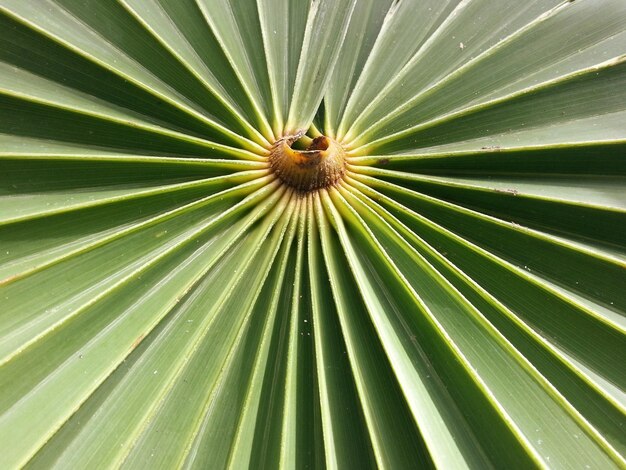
[(320, 165)]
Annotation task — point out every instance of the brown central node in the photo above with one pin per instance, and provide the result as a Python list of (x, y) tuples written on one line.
[(321, 165)]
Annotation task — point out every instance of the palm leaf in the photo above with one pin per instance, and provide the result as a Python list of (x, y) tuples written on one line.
[(455, 299)]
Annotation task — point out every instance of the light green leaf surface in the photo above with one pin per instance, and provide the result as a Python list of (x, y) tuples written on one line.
[(363, 30), (283, 23), (456, 300), (326, 28)]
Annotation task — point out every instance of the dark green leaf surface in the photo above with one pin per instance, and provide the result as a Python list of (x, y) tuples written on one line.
[(457, 300)]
